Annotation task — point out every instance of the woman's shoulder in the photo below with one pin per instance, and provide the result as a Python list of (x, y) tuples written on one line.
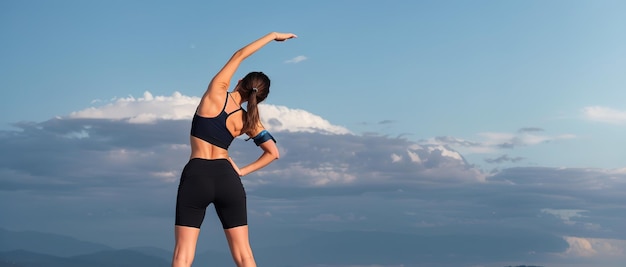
[(211, 103)]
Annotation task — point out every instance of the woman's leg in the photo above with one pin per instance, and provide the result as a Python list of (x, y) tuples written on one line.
[(240, 246), (185, 249)]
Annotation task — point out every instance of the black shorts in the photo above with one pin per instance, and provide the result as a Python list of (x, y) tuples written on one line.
[(214, 181)]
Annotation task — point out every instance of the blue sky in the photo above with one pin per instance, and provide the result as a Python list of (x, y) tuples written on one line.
[(466, 97)]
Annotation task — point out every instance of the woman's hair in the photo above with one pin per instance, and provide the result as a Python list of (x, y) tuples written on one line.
[(254, 87)]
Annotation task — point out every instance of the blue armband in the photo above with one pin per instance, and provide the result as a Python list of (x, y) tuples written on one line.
[(262, 137)]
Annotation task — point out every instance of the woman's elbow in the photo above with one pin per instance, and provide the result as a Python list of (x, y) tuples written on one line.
[(276, 155), (270, 150)]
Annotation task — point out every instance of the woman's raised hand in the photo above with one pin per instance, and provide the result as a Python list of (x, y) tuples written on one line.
[(283, 36)]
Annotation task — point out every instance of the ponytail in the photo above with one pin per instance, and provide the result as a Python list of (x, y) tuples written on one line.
[(252, 118), (254, 87)]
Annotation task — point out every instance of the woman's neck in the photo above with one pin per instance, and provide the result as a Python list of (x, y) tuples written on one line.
[(235, 94)]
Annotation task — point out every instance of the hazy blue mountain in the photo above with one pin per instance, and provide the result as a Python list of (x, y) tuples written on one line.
[(332, 248), (109, 258), (9, 264), (34, 249), (25, 258), (45, 243)]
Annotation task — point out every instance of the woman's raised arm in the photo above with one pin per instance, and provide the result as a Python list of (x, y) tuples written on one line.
[(221, 81)]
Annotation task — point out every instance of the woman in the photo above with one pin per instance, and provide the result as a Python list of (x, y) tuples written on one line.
[(211, 176)]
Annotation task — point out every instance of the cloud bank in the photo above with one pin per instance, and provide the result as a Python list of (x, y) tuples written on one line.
[(150, 109), (492, 142), (109, 173)]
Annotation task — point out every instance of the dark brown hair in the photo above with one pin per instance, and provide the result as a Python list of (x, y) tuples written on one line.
[(254, 87)]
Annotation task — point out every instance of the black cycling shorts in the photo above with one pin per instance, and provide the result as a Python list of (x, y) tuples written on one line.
[(205, 181)]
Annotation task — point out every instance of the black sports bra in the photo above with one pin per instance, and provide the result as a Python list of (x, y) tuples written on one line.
[(214, 130)]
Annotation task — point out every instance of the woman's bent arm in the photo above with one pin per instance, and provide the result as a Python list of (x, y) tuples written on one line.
[(270, 153)]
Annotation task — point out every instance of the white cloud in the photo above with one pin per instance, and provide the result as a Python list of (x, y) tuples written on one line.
[(414, 157), (594, 247), (564, 214), (77, 134), (321, 175), (297, 59), (446, 152), (148, 109), (395, 157), (167, 176), (495, 142), (604, 114), (579, 247), (281, 118), (618, 171), (524, 138)]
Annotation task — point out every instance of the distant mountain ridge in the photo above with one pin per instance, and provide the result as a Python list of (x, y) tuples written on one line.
[(46, 243), (110, 258), (36, 249), (346, 248)]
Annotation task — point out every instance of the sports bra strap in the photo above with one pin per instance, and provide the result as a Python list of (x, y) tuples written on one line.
[(231, 96)]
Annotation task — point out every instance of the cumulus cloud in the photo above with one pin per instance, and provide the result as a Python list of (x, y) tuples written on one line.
[(395, 157), (146, 109), (494, 142), (281, 118), (297, 59), (150, 109), (604, 114), (595, 247)]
